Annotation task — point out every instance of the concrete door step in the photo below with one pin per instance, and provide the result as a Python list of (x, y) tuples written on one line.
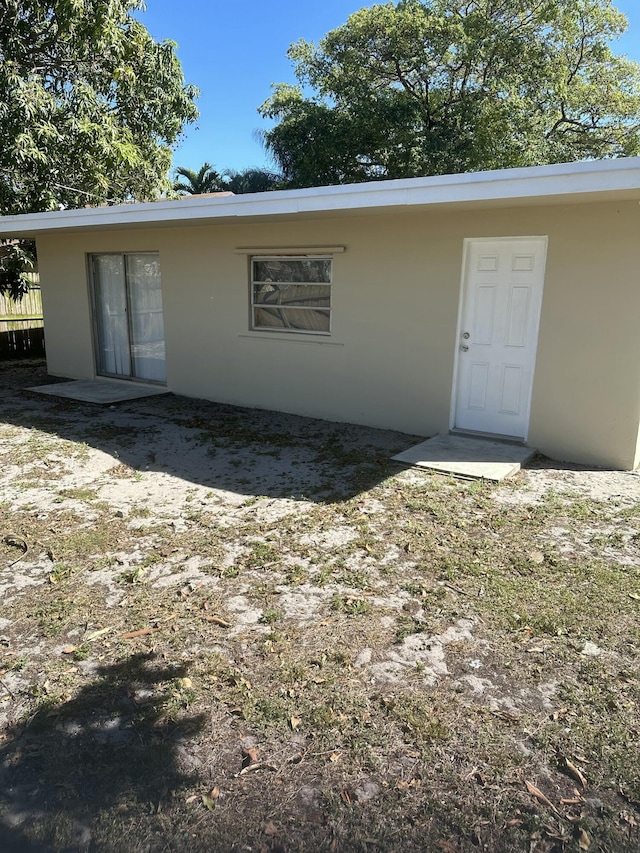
[(468, 456), (102, 391)]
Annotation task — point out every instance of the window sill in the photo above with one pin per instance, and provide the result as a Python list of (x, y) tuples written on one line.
[(292, 338)]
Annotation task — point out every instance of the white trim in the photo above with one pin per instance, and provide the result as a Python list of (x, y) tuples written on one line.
[(290, 251), (456, 340), (467, 243), (616, 178), (291, 338)]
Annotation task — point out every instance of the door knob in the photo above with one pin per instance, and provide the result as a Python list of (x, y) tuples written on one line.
[(466, 335), (464, 348)]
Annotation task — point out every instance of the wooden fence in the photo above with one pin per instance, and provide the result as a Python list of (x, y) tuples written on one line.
[(21, 324)]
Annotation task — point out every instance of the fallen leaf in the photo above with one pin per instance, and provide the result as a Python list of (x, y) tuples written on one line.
[(260, 765), (69, 650), (572, 770), (270, 828), (335, 756), (192, 798), (208, 802), (142, 632), (214, 793), (535, 649), (16, 542), (584, 842), (537, 793), (295, 723), (217, 620), (186, 683), (345, 796), (95, 634), (635, 596), (249, 756)]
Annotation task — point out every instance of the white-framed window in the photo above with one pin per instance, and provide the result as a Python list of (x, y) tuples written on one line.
[(291, 294)]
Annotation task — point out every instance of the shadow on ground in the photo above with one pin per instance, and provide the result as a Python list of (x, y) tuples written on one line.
[(112, 748), (238, 450)]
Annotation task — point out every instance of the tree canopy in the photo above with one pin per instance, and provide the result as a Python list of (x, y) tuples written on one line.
[(205, 180), (90, 106), (208, 180), (427, 87), (251, 180)]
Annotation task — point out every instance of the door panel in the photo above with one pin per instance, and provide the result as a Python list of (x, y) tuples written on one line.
[(113, 351), (500, 312)]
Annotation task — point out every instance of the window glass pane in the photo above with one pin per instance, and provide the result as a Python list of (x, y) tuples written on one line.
[(296, 319), (147, 325), (111, 315), (288, 269), (311, 295)]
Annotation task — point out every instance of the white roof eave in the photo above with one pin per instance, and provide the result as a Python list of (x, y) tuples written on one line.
[(538, 183)]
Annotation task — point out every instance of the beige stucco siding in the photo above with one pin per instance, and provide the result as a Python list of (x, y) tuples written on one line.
[(389, 361)]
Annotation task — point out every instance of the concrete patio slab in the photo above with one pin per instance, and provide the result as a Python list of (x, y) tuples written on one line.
[(101, 391), (469, 457)]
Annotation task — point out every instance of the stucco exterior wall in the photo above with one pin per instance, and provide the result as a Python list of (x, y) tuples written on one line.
[(389, 361)]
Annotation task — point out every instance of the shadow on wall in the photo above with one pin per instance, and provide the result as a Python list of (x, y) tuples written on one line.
[(112, 746), (244, 451)]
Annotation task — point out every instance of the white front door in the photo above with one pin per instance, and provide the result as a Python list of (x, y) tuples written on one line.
[(498, 334)]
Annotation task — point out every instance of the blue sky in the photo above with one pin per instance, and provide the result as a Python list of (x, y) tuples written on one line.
[(233, 51)]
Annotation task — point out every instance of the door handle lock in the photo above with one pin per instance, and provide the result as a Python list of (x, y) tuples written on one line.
[(466, 335), (464, 348)]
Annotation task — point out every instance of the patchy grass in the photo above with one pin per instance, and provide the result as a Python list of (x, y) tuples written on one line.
[(404, 662)]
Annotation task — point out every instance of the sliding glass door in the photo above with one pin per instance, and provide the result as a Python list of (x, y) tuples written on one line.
[(127, 298)]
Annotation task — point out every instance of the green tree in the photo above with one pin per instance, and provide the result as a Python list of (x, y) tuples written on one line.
[(427, 87), (251, 180), (205, 180), (208, 180), (90, 106)]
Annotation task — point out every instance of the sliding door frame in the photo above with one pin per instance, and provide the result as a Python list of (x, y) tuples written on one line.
[(95, 325)]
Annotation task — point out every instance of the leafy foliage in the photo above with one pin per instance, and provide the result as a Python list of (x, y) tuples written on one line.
[(444, 86), (17, 260), (252, 180), (208, 180), (205, 180), (90, 106)]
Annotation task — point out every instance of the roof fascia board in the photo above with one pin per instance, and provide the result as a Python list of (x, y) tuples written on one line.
[(556, 181)]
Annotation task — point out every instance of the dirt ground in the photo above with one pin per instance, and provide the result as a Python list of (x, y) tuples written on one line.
[(231, 630)]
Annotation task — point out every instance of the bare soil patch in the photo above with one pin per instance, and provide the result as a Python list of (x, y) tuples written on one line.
[(230, 630)]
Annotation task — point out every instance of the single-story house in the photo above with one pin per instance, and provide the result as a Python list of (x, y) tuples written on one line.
[(505, 303)]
